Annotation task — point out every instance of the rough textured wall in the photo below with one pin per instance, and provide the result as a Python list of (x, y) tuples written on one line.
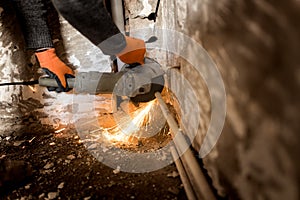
[(255, 45), (15, 65), (25, 108)]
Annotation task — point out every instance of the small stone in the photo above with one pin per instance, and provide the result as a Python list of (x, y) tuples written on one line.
[(18, 143), (61, 185), (48, 165), (71, 157), (27, 186), (173, 174), (67, 161), (52, 195), (116, 171), (23, 198), (86, 198), (93, 146), (41, 195), (52, 144)]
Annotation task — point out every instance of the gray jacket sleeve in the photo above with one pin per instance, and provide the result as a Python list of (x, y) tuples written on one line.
[(91, 18), (32, 15)]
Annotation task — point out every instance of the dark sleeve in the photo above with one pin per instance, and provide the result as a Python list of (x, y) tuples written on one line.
[(91, 18), (32, 15)]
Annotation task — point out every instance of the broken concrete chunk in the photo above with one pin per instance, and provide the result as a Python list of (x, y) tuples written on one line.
[(61, 185), (52, 195), (48, 165), (116, 171), (71, 157), (18, 143), (27, 186)]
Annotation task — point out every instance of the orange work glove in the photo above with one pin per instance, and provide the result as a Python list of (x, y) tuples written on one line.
[(134, 52), (55, 68)]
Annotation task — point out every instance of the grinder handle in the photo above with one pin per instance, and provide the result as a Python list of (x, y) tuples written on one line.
[(50, 82)]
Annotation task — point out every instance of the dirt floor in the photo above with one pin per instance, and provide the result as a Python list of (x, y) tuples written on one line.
[(62, 168)]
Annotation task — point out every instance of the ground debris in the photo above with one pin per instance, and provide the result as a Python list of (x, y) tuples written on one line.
[(61, 185), (67, 169), (48, 165), (27, 186), (71, 157), (41, 196), (116, 171), (52, 195), (93, 146), (173, 174), (18, 143)]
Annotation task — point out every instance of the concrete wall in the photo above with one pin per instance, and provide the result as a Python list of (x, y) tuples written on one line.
[(255, 45), (25, 108)]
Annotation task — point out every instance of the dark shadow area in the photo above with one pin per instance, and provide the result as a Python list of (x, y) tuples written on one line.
[(62, 165)]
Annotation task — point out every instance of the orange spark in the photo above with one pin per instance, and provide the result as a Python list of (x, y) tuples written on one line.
[(128, 126)]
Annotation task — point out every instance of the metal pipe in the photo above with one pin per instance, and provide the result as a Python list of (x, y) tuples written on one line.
[(118, 18), (117, 14), (183, 175), (191, 165)]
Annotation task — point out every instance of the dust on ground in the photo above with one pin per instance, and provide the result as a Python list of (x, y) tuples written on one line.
[(64, 169)]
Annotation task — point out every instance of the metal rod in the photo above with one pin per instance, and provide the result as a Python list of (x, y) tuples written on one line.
[(118, 18), (117, 14), (191, 165), (183, 175), (157, 6)]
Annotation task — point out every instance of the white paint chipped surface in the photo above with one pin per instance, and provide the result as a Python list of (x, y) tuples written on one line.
[(147, 8), (85, 56), (80, 52)]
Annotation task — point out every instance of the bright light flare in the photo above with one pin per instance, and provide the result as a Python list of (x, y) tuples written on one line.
[(128, 126)]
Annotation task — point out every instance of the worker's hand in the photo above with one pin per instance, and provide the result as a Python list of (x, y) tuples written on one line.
[(134, 52), (55, 68)]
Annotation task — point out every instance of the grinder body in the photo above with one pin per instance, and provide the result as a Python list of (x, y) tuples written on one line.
[(139, 82)]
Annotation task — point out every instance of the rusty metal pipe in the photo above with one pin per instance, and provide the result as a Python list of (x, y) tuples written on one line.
[(183, 175), (117, 14), (191, 165)]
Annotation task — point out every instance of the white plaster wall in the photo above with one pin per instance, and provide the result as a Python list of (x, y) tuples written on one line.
[(15, 64)]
